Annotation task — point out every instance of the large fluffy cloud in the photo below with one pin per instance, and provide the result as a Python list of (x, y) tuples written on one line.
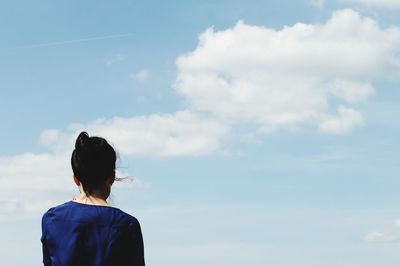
[(289, 77), (179, 134)]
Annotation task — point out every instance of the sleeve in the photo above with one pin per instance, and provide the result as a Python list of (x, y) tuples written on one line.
[(137, 247), (45, 251)]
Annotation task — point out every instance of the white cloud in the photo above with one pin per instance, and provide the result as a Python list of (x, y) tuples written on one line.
[(391, 235), (351, 91), (381, 237), (376, 3), (287, 78), (49, 136), (347, 118), (179, 134), (30, 182), (41, 167), (142, 75), (28, 179)]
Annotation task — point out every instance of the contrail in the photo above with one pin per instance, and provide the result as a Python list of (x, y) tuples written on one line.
[(115, 36)]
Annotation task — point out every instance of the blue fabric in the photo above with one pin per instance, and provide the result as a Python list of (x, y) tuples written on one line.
[(80, 234)]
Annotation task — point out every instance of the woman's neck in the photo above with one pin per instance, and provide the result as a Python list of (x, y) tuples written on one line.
[(92, 200), (97, 196)]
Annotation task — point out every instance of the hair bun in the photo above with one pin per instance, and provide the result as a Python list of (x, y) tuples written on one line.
[(82, 140), (92, 161)]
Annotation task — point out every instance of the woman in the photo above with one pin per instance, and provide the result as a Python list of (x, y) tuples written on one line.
[(87, 230)]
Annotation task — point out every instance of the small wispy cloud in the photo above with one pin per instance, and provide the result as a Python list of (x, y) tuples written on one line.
[(381, 237), (142, 75), (392, 235), (140, 99), (318, 3), (115, 36), (115, 58)]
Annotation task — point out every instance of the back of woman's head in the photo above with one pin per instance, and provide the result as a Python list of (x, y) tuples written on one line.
[(93, 161)]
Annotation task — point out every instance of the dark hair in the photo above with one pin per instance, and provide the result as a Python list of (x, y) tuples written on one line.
[(93, 161)]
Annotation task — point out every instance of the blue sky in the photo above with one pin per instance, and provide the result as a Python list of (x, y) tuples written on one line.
[(257, 132)]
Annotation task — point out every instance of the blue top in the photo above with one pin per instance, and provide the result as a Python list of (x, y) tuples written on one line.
[(76, 234)]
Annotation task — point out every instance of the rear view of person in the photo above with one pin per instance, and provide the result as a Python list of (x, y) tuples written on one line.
[(87, 231)]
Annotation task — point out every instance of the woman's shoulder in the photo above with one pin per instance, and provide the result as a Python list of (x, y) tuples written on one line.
[(127, 219), (55, 210), (72, 210)]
